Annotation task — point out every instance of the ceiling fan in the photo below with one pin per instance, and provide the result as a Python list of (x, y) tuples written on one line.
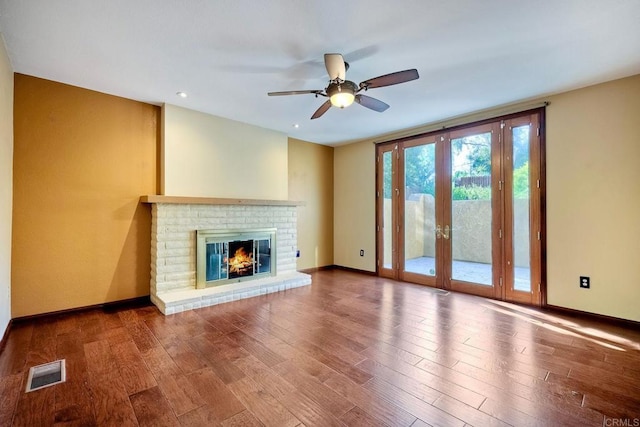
[(342, 92)]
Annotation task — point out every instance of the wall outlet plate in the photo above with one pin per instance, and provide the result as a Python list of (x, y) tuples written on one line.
[(585, 282)]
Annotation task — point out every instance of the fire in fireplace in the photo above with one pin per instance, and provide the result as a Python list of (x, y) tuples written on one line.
[(241, 263), (232, 256)]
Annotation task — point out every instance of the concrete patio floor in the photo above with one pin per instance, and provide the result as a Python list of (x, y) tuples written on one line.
[(475, 272)]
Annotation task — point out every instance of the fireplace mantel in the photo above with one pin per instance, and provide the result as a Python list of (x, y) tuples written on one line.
[(186, 200)]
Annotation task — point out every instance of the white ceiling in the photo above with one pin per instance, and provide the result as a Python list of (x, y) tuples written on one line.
[(227, 54)]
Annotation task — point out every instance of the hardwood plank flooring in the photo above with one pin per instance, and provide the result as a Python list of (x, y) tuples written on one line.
[(351, 349)]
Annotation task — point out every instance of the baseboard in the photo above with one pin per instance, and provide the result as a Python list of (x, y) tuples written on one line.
[(3, 342), (337, 267), (106, 306), (593, 316), (316, 269), (355, 270)]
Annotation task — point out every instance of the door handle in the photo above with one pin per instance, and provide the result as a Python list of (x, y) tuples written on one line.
[(440, 233)]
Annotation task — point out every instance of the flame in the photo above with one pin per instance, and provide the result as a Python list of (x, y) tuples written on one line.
[(240, 262)]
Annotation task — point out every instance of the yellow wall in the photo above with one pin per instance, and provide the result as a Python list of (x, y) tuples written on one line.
[(6, 184), (82, 159), (311, 181), (209, 156), (354, 206), (593, 199)]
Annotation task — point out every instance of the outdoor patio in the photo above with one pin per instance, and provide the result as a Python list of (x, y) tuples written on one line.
[(475, 272)]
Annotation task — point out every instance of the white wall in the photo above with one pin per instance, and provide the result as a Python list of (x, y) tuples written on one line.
[(209, 156), (6, 184)]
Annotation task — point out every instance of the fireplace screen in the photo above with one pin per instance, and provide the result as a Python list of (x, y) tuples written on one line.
[(224, 257)]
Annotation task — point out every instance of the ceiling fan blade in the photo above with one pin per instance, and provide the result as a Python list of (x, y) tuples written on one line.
[(323, 109), (335, 66), (294, 92), (371, 103), (391, 79)]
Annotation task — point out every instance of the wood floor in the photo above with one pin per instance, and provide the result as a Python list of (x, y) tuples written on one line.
[(348, 350)]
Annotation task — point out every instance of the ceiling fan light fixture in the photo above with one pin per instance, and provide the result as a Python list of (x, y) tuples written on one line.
[(342, 94), (342, 99)]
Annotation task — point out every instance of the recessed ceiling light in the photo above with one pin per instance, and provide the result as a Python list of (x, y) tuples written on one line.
[(296, 126), (181, 94)]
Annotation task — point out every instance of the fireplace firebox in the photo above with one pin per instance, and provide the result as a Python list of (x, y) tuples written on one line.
[(231, 256)]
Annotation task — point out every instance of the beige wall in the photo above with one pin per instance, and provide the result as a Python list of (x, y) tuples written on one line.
[(82, 159), (209, 156), (6, 184), (354, 206), (311, 181), (593, 199)]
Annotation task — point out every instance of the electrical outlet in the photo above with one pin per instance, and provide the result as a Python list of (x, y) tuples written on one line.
[(585, 282), (361, 252)]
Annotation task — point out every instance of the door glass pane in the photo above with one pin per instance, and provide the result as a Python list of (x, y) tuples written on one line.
[(387, 189), (420, 209), (470, 231), (521, 185)]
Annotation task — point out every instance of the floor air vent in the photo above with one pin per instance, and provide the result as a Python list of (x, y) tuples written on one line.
[(46, 375)]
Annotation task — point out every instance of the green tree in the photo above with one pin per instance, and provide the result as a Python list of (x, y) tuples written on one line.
[(471, 158), (419, 169), (474, 192), (521, 182), (520, 146), (472, 155), (387, 177)]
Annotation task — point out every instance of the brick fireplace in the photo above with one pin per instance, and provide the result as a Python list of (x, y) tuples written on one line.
[(174, 225)]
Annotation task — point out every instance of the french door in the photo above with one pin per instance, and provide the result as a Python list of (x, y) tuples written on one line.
[(462, 209)]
